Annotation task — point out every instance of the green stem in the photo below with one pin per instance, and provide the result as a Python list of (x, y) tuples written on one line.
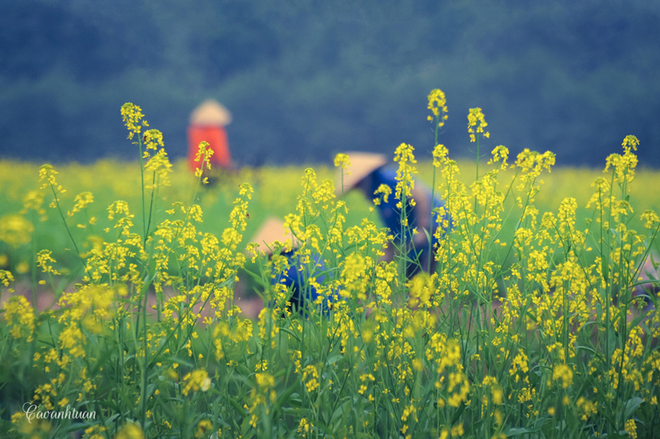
[(478, 154), (144, 214), (34, 269), (145, 360), (431, 258), (477, 176), (59, 209), (605, 296), (151, 207)]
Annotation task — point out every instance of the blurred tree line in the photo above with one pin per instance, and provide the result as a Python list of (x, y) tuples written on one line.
[(306, 79)]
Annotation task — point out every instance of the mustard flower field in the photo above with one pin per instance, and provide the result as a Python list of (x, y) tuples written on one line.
[(119, 285)]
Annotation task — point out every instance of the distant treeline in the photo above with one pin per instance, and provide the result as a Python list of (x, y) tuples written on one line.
[(306, 79)]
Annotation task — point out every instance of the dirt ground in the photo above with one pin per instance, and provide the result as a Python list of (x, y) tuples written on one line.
[(250, 306)]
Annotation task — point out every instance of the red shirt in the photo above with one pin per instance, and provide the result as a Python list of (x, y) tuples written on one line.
[(216, 136)]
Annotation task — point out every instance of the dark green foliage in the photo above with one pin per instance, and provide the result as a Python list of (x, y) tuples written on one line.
[(307, 79)]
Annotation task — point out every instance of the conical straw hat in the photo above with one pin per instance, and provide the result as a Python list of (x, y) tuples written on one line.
[(210, 112), (362, 164), (270, 231)]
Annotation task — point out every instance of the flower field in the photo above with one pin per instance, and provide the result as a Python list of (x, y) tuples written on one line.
[(540, 319)]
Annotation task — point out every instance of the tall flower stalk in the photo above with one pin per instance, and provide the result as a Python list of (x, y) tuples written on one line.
[(439, 114)]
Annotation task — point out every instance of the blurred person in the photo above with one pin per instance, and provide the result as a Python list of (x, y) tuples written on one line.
[(368, 171), (648, 286), (294, 276), (207, 123)]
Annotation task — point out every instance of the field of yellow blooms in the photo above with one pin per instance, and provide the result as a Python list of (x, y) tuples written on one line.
[(540, 321)]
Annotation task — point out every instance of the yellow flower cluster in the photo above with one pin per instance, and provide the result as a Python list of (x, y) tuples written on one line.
[(15, 230), (523, 303), (476, 124), (311, 378), (195, 381), (438, 104), (403, 155), (133, 119), (130, 430), (204, 154), (19, 315)]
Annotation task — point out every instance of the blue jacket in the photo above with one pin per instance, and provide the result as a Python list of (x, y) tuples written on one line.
[(296, 281), (391, 215)]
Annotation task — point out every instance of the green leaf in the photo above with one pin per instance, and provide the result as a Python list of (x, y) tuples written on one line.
[(237, 407), (518, 431), (605, 268), (290, 333), (284, 397), (457, 414), (631, 405)]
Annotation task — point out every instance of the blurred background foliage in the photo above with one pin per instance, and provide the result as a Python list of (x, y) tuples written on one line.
[(307, 79)]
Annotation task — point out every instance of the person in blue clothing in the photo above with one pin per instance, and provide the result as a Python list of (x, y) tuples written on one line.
[(291, 275), (367, 173), (295, 280), (648, 286)]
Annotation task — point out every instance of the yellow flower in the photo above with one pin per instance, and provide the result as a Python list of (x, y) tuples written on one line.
[(203, 428), (33, 201), (457, 430), (15, 230), (342, 161), (130, 430), (132, 116), (519, 363), (564, 373), (153, 139), (47, 176), (204, 154), (586, 407), (19, 316), (82, 200), (73, 339), (95, 432), (651, 218), (22, 267), (311, 378), (44, 260), (195, 381), (476, 119), (630, 142), (404, 175), (160, 167), (34, 428), (500, 152), (631, 428), (265, 381), (437, 104), (304, 427), (385, 190)]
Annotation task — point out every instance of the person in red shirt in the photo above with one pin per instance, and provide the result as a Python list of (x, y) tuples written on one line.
[(207, 123)]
